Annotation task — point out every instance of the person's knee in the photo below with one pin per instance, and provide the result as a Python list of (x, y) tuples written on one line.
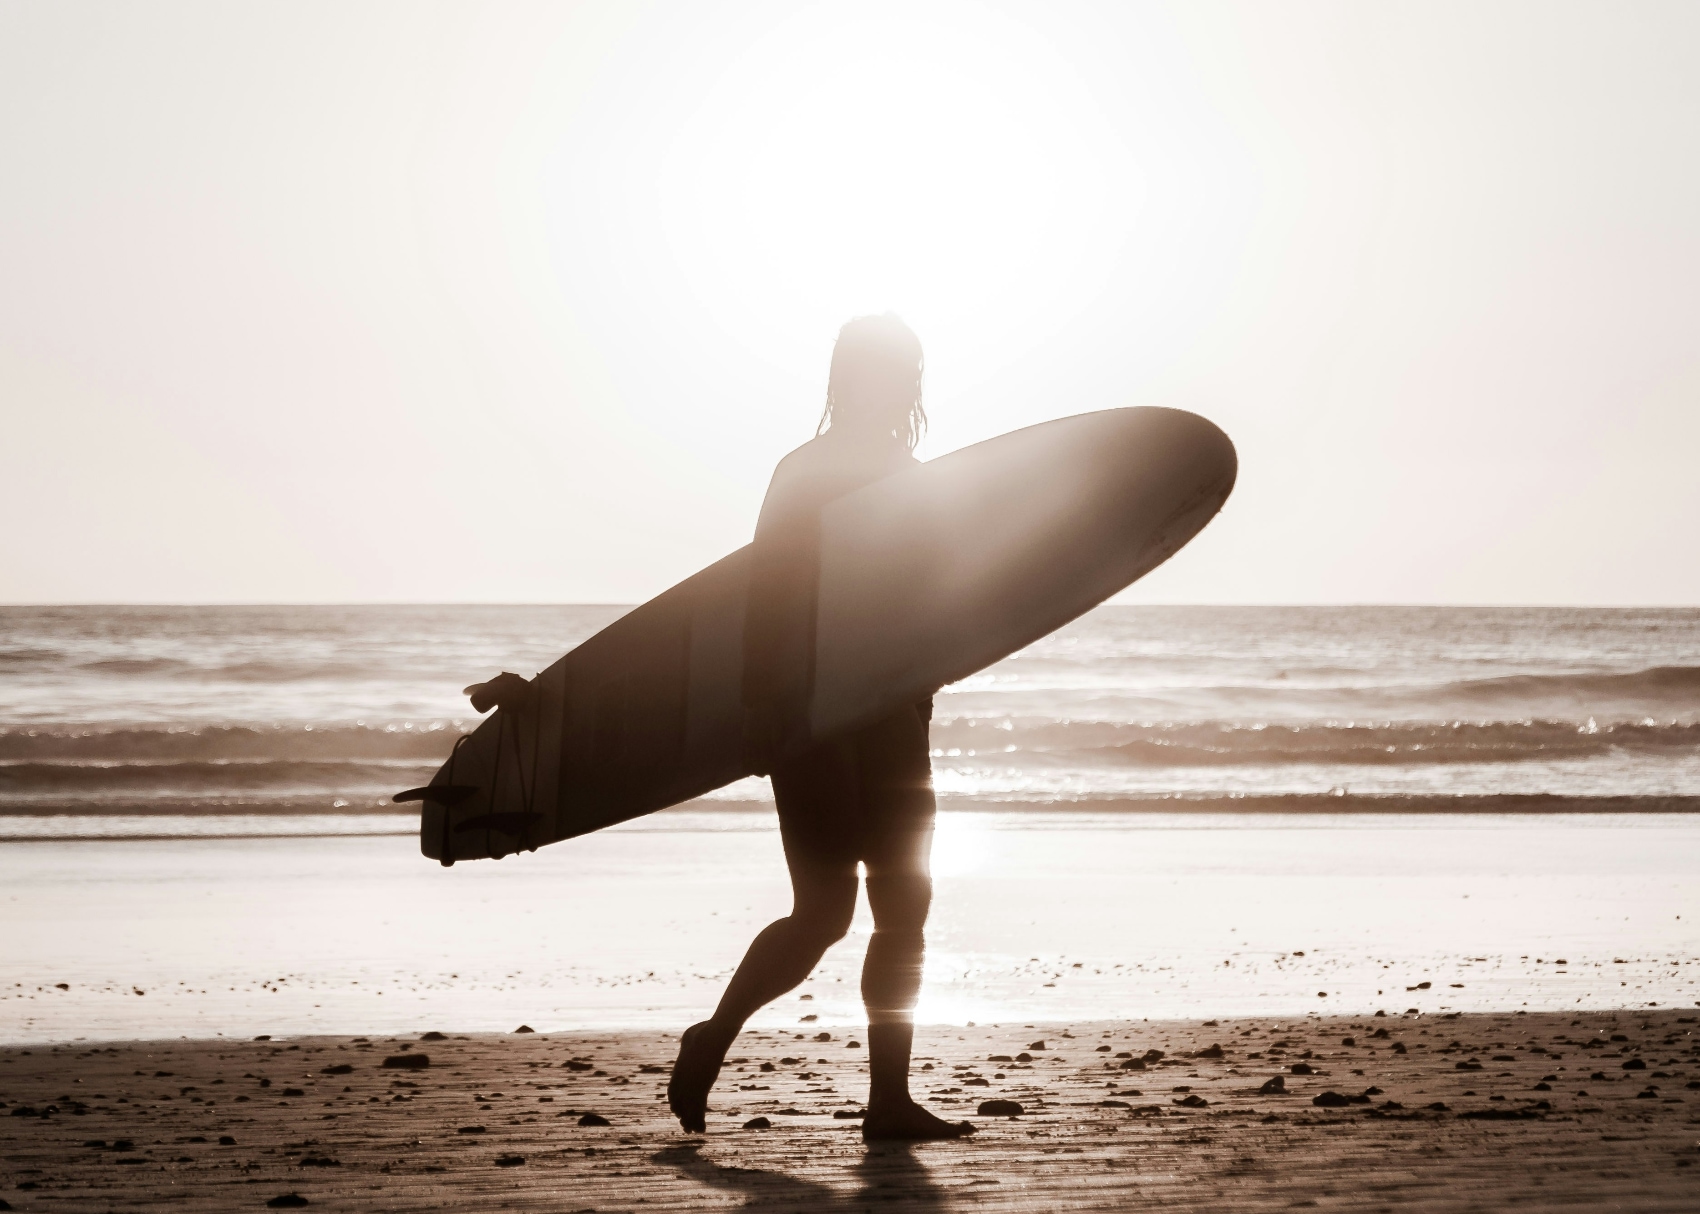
[(824, 922), (900, 902)]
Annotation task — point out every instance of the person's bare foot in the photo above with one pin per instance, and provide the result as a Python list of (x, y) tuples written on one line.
[(910, 1123), (694, 1073)]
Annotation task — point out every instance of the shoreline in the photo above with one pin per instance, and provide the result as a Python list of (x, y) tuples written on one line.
[(1281, 803), (1478, 1111)]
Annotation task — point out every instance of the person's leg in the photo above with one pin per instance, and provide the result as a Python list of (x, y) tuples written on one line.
[(788, 949), (818, 832), (896, 780)]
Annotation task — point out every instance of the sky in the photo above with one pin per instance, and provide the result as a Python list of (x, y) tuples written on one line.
[(359, 302)]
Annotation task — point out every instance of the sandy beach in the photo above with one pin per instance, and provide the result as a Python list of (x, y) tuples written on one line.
[(1472, 1112), (1048, 918)]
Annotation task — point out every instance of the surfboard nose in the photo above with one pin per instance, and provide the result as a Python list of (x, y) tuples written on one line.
[(1208, 451)]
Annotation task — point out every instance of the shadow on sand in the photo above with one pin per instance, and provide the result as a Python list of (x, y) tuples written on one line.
[(888, 1172)]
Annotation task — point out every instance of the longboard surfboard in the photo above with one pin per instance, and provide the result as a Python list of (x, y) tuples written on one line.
[(925, 577)]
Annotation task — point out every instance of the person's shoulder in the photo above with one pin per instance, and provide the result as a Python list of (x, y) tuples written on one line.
[(810, 451), (795, 478), (802, 461)]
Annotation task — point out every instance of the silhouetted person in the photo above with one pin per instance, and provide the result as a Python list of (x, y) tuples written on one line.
[(865, 797)]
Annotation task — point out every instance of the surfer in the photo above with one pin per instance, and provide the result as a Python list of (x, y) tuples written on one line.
[(863, 798)]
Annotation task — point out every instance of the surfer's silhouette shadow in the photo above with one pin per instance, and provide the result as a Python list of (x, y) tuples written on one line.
[(891, 1169), (888, 1171)]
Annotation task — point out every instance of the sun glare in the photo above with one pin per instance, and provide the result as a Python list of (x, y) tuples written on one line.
[(962, 844), (952, 169)]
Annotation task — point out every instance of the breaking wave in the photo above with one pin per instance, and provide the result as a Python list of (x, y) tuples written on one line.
[(142, 743), (1390, 743)]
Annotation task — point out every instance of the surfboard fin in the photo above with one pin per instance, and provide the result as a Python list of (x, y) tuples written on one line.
[(443, 794)]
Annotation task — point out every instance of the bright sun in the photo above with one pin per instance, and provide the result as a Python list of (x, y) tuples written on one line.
[(946, 165)]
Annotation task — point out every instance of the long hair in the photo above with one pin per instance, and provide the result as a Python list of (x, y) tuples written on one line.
[(883, 349)]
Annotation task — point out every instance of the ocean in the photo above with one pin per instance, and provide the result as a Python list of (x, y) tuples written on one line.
[(300, 720), (1156, 812)]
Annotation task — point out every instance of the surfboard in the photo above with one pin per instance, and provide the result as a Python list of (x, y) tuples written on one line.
[(925, 578)]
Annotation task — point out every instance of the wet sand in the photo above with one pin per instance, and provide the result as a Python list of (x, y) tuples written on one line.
[(1036, 917), (1478, 1111)]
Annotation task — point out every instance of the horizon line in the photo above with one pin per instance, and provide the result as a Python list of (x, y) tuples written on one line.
[(317, 603)]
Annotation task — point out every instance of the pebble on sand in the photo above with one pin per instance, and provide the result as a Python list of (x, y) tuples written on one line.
[(433, 1035), (594, 1119), (287, 1201), (407, 1062), (758, 1123), (510, 1161), (1274, 1087), (525, 1028), (1000, 1108)]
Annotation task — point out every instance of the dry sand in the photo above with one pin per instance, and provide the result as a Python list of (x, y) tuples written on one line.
[(1485, 1112)]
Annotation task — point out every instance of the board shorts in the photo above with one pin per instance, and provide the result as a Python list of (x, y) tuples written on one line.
[(866, 796)]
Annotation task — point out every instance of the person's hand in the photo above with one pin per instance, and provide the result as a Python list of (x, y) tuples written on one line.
[(504, 691)]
